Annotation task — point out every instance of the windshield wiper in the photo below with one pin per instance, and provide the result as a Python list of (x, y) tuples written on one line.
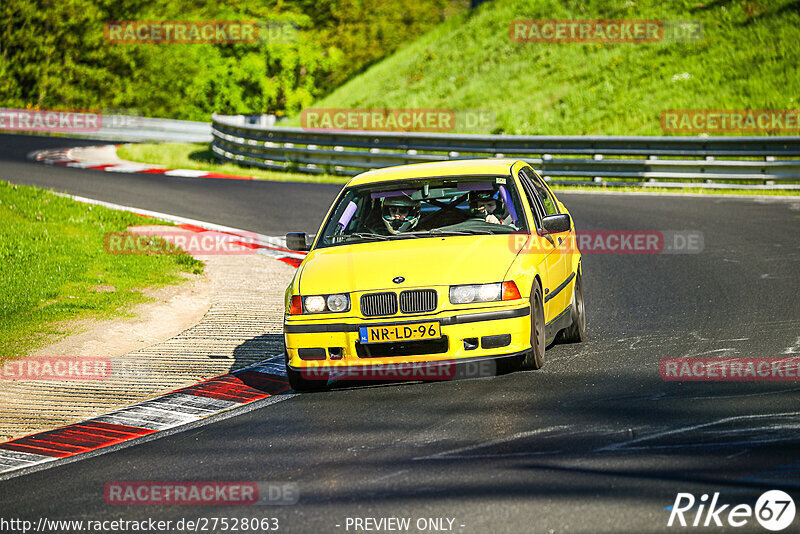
[(466, 231), (362, 235)]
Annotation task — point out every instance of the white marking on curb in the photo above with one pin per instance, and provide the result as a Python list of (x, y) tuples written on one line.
[(10, 460), (83, 164), (171, 410), (186, 173), (190, 404), (144, 417), (127, 168)]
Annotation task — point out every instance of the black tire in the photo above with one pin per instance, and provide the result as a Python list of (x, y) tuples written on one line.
[(534, 359), (576, 332), (301, 384)]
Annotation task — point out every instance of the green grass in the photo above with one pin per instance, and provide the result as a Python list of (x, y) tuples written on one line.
[(199, 156), (52, 264), (749, 58)]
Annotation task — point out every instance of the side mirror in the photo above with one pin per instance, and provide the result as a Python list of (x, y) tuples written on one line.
[(555, 224), (297, 241)]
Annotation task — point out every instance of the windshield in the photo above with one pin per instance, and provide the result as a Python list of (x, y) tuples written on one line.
[(429, 207)]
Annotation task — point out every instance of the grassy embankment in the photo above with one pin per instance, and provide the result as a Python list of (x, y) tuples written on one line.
[(747, 58), (54, 268)]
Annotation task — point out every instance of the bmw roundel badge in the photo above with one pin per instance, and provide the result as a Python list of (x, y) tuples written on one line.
[(398, 279)]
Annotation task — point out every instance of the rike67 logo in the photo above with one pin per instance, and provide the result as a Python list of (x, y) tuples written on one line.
[(774, 510)]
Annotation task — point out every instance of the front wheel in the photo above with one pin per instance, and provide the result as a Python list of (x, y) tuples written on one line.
[(534, 359)]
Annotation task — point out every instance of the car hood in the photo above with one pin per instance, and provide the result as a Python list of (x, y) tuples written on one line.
[(422, 262)]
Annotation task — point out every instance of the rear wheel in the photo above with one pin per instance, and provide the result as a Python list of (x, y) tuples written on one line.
[(576, 332), (534, 359), (299, 383)]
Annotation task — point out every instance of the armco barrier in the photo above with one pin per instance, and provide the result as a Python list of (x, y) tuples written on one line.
[(771, 162), (132, 128), (108, 127)]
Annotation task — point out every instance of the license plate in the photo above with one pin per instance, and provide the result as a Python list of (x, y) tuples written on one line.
[(404, 332)]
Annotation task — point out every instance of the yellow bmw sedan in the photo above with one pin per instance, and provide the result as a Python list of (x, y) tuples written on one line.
[(432, 265)]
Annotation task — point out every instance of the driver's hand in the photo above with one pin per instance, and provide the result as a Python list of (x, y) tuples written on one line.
[(492, 219)]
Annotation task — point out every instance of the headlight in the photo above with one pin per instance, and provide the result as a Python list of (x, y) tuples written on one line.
[(488, 292), (462, 294), (339, 302), (314, 304), (467, 294)]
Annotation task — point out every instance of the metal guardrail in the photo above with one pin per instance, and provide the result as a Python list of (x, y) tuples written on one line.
[(106, 127), (578, 160), (133, 128)]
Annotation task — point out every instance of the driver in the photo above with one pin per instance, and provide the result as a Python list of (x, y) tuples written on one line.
[(488, 208), (400, 214)]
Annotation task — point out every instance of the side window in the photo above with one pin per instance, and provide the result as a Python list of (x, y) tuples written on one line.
[(548, 202), (533, 198)]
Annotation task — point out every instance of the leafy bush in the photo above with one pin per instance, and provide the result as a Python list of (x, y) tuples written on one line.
[(55, 55)]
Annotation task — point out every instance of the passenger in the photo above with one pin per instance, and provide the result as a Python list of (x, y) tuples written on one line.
[(488, 208)]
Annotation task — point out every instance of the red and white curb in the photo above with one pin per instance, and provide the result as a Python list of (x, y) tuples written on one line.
[(66, 158), (171, 411), (273, 246)]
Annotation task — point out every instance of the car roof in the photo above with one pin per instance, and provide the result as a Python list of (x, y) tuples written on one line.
[(459, 167)]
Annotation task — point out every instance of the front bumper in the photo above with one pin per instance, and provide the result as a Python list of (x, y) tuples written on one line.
[(466, 335)]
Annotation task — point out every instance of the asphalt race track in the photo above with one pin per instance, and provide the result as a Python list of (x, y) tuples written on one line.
[(237, 203), (595, 442)]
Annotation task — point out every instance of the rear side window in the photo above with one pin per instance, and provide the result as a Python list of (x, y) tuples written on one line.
[(547, 202), (533, 199)]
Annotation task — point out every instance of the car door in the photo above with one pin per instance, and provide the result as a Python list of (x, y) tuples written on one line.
[(542, 243), (557, 294)]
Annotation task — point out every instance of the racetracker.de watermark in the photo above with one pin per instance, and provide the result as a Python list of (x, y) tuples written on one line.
[(730, 369), (41, 120), (396, 120), (401, 371), (730, 121), (69, 121), (57, 368), (167, 241), (199, 32), (556, 31), (185, 493), (618, 242)]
